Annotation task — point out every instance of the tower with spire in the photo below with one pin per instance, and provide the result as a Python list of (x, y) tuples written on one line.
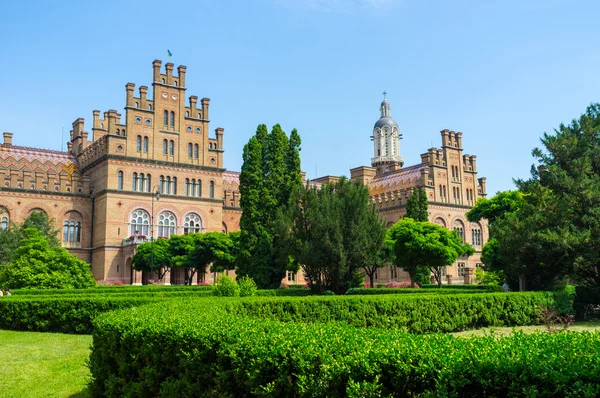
[(386, 141)]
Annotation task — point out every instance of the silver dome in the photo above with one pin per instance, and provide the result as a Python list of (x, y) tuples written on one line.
[(385, 121)]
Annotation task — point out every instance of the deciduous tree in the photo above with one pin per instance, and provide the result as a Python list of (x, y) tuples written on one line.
[(39, 265), (416, 244), (153, 257)]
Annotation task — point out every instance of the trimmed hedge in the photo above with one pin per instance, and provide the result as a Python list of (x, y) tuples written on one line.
[(109, 290), (485, 288), (386, 290), (411, 313), (184, 350), (63, 315)]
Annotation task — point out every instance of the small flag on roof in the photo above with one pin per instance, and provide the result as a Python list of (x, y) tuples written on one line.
[(170, 54)]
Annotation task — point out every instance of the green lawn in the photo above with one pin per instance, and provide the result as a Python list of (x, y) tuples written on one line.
[(43, 364)]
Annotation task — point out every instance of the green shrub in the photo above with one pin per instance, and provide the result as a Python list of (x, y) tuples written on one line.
[(226, 287), (247, 286), (191, 350), (60, 314), (485, 288)]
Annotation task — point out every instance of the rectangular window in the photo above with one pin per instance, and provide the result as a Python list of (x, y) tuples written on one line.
[(461, 269)]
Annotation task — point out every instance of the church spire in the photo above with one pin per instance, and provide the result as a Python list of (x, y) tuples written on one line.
[(386, 141), (385, 106)]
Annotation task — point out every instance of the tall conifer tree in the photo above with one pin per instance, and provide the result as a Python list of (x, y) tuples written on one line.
[(271, 171)]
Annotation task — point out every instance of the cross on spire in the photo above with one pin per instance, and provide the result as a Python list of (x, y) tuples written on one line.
[(384, 94)]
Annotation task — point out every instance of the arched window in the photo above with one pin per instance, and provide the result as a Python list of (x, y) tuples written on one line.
[(187, 114), (187, 187), (190, 150), (118, 132), (175, 83), (4, 223), (166, 117), (168, 183), (162, 80), (161, 184), (165, 144), (196, 151), (66, 231), (211, 189), (102, 126), (198, 116), (140, 222), (174, 186), (440, 221), (137, 104), (72, 231), (148, 182), (224, 228), (172, 148), (138, 143), (146, 144), (460, 229), (192, 223), (134, 182), (142, 182), (199, 189), (120, 180), (476, 235), (166, 224), (149, 107), (172, 119)]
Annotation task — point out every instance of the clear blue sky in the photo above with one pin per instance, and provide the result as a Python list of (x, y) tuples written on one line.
[(501, 71)]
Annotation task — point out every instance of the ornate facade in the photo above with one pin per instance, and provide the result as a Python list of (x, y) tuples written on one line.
[(158, 171)]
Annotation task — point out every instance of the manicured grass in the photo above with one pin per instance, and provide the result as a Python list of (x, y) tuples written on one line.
[(590, 326), (43, 364)]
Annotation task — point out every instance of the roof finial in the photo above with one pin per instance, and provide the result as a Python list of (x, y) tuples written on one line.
[(384, 94)]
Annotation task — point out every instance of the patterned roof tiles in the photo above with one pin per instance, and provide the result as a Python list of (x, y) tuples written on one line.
[(44, 160), (231, 181), (406, 177)]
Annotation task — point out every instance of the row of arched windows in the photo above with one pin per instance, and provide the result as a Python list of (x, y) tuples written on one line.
[(193, 150), (141, 144), (168, 185), (169, 116), (72, 231), (141, 182), (455, 173), (166, 223), (169, 147), (187, 114), (137, 105)]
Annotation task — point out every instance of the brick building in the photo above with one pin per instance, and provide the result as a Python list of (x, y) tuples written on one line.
[(158, 171)]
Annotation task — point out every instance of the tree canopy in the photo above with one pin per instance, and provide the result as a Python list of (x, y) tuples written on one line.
[(12, 237), (270, 173), (36, 264), (334, 232), (417, 244), (153, 256)]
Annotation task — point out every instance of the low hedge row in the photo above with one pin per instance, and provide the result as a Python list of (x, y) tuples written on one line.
[(385, 290), (61, 314), (486, 288), (109, 290), (415, 314), (183, 350)]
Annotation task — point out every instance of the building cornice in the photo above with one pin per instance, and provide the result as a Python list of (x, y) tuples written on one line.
[(163, 163), (33, 192), (150, 194)]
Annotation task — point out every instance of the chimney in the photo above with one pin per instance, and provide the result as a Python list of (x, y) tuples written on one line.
[(8, 139)]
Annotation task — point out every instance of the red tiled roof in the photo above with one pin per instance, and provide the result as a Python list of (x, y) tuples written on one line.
[(406, 177), (19, 158), (231, 181)]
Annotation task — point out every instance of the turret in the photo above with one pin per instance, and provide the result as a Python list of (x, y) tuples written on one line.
[(386, 141)]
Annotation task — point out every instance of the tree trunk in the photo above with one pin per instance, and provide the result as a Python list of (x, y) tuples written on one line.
[(412, 280), (372, 279), (438, 276)]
